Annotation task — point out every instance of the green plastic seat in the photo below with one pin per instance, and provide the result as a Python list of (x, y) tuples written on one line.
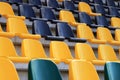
[(112, 71), (40, 69)]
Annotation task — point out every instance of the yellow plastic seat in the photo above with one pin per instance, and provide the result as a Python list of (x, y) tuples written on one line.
[(115, 22), (85, 52), (60, 51), (117, 34), (67, 16), (7, 49), (84, 7), (105, 34), (82, 70), (7, 11), (6, 34), (7, 70), (107, 53), (19, 28), (82, 32), (34, 49)]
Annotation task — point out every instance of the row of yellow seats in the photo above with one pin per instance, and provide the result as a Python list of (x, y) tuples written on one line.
[(59, 52), (103, 35), (85, 70)]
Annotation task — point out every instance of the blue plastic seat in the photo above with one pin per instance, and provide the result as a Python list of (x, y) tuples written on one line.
[(102, 21), (100, 2), (35, 2), (85, 18), (110, 3), (63, 29), (112, 71), (69, 5), (40, 69), (42, 28), (100, 9), (114, 12), (77, 1), (52, 3), (16, 1)]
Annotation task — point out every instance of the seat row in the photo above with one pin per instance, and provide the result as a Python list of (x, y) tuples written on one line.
[(32, 49), (41, 69)]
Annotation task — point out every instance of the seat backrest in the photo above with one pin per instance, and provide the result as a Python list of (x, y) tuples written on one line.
[(39, 69), (114, 12), (82, 70), (26, 10), (59, 50), (66, 16), (16, 25), (110, 3), (101, 20), (41, 27), (32, 49), (98, 2), (7, 70), (63, 29), (87, 1), (104, 34), (117, 34), (100, 9), (84, 51), (52, 3), (107, 53), (16, 1), (69, 5), (115, 22), (83, 30), (6, 9), (112, 71), (84, 7), (47, 13), (7, 48), (35, 2), (85, 18)]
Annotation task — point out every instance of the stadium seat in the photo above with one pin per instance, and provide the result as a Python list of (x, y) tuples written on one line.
[(6, 34), (110, 3), (6, 43), (48, 14), (107, 53), (15, 1), (105, 34), (37, 3), (100, 2), (69, 5), (114, 12), (27, 11), (52, 3), (7, 70), (42, 28), (84, 7), (39, 69), (34, 50), (85, 18), (82, 32), (102, 21), (77, 1), (111, 70), (117, 34), (85, 52), (19, 28), (7, 11), (82, 70), (63, 29), (115, 22), (60, 51), (67, 16)]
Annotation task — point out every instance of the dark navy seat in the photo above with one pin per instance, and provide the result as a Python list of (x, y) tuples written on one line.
[(37, 3), (52, 4), (85, 18), (114, 12), (16, 1), (110, 3), (42, 28), (98, 2), (63, 29), (102, 22)]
